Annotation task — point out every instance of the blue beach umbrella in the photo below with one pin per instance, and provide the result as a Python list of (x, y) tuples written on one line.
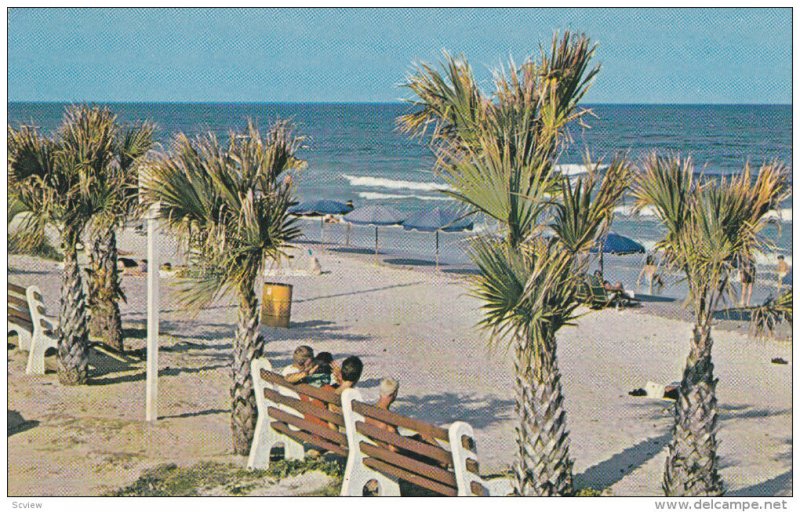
[(613, 243), (375, 215), (435, 220), (320, 207)]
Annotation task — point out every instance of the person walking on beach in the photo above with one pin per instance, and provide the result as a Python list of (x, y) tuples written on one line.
[(783, 271), (747, 274), (649, 270)]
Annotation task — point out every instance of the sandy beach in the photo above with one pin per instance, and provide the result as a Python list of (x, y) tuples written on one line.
[(415, 325)]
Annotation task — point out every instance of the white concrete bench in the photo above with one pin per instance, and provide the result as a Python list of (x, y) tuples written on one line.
[(437, 459), (19, 316), (294, 416), (44, 332)]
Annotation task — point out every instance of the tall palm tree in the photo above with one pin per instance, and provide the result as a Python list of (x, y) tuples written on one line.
[(498, 154), (57, 179), (228, 205), (119, 203), (710, 225)]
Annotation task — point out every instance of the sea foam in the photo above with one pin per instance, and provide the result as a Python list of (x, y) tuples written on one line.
[(372, 181)]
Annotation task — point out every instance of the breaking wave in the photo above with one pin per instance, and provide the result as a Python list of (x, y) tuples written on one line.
[(372, 181)]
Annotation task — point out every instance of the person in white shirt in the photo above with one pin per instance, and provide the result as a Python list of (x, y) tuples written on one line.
[(302, 365)]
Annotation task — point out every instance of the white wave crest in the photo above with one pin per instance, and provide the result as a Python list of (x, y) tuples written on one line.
[(627, 210), (575, 169), (784, 214), (371, 181), (375, 196)]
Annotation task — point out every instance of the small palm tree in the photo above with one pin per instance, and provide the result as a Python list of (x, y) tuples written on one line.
[(118, 203), (709, 226), (498, 155), (228, 205), (57, 179)]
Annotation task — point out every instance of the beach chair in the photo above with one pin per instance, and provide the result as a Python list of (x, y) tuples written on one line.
[(293, 415), (442, 460), (597, 297), (19, 316), (44, 332)]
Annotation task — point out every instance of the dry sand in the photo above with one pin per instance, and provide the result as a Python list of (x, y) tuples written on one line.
[(417, 326)]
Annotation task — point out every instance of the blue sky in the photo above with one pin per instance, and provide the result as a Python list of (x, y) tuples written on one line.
[(351, 55)]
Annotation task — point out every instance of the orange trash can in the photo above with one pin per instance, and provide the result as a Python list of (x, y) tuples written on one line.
[(276, 304)]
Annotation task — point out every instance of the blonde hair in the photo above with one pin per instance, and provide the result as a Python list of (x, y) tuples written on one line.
[(389, 386)]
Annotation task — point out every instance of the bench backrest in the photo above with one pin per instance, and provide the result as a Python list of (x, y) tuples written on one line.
[(18, 311), (38, 312), (441, 460), (302, 412)]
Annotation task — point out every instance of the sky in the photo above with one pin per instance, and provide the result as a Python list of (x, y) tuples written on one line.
[(363, 55)]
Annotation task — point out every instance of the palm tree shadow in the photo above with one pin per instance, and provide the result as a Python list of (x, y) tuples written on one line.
[(358, 292), (445, 408), (780, 485), (612, 470), (319, 330), (207, 412)]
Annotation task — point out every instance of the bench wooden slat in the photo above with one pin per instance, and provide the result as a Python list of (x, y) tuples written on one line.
[(304, 407), (18, 301), (472, 466), (25, 324), (398, 420), (409, 477), (409, 464), (405, 443), (304, 437), (18, 313), (16, 288), (309, 426), (304, 389)]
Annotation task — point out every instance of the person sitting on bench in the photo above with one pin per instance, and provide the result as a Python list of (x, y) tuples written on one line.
[(302, 365), (322, 375), (388, 394)]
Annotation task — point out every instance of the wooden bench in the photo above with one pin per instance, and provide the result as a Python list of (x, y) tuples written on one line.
[(19, 316), (437, 459), (292, 415), (44, 332)]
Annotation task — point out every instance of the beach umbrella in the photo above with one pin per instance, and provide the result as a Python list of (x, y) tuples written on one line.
[(436, 220), (319, 208), (613, 243), (375, 215)]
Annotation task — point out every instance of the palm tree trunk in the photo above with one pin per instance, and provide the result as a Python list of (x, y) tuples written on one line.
[(104, 290), (692, 464), (542, 466), (73, 339), (248, 345)]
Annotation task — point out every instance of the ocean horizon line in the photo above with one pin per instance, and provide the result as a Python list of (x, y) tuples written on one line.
[(383, 103)]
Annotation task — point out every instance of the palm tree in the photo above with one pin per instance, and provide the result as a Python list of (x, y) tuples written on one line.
[(229, 207), (119, 203), (709, 226), (56, 178), (498, 155)]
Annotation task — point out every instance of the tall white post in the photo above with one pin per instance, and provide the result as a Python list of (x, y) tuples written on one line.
[(151, 400)]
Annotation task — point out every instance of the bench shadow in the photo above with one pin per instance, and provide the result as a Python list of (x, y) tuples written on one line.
[(445, 408)]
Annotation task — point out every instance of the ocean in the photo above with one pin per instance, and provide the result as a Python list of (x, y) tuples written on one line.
[(355, 152)]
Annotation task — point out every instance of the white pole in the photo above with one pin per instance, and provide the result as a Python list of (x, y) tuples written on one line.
[(151, 400)]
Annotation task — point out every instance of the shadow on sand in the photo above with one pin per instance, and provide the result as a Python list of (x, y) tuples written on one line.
[(445, 408), (17, 424), (358, 292), (614, 469)]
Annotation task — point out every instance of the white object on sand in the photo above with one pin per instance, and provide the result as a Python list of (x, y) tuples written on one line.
[(654, 390)]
